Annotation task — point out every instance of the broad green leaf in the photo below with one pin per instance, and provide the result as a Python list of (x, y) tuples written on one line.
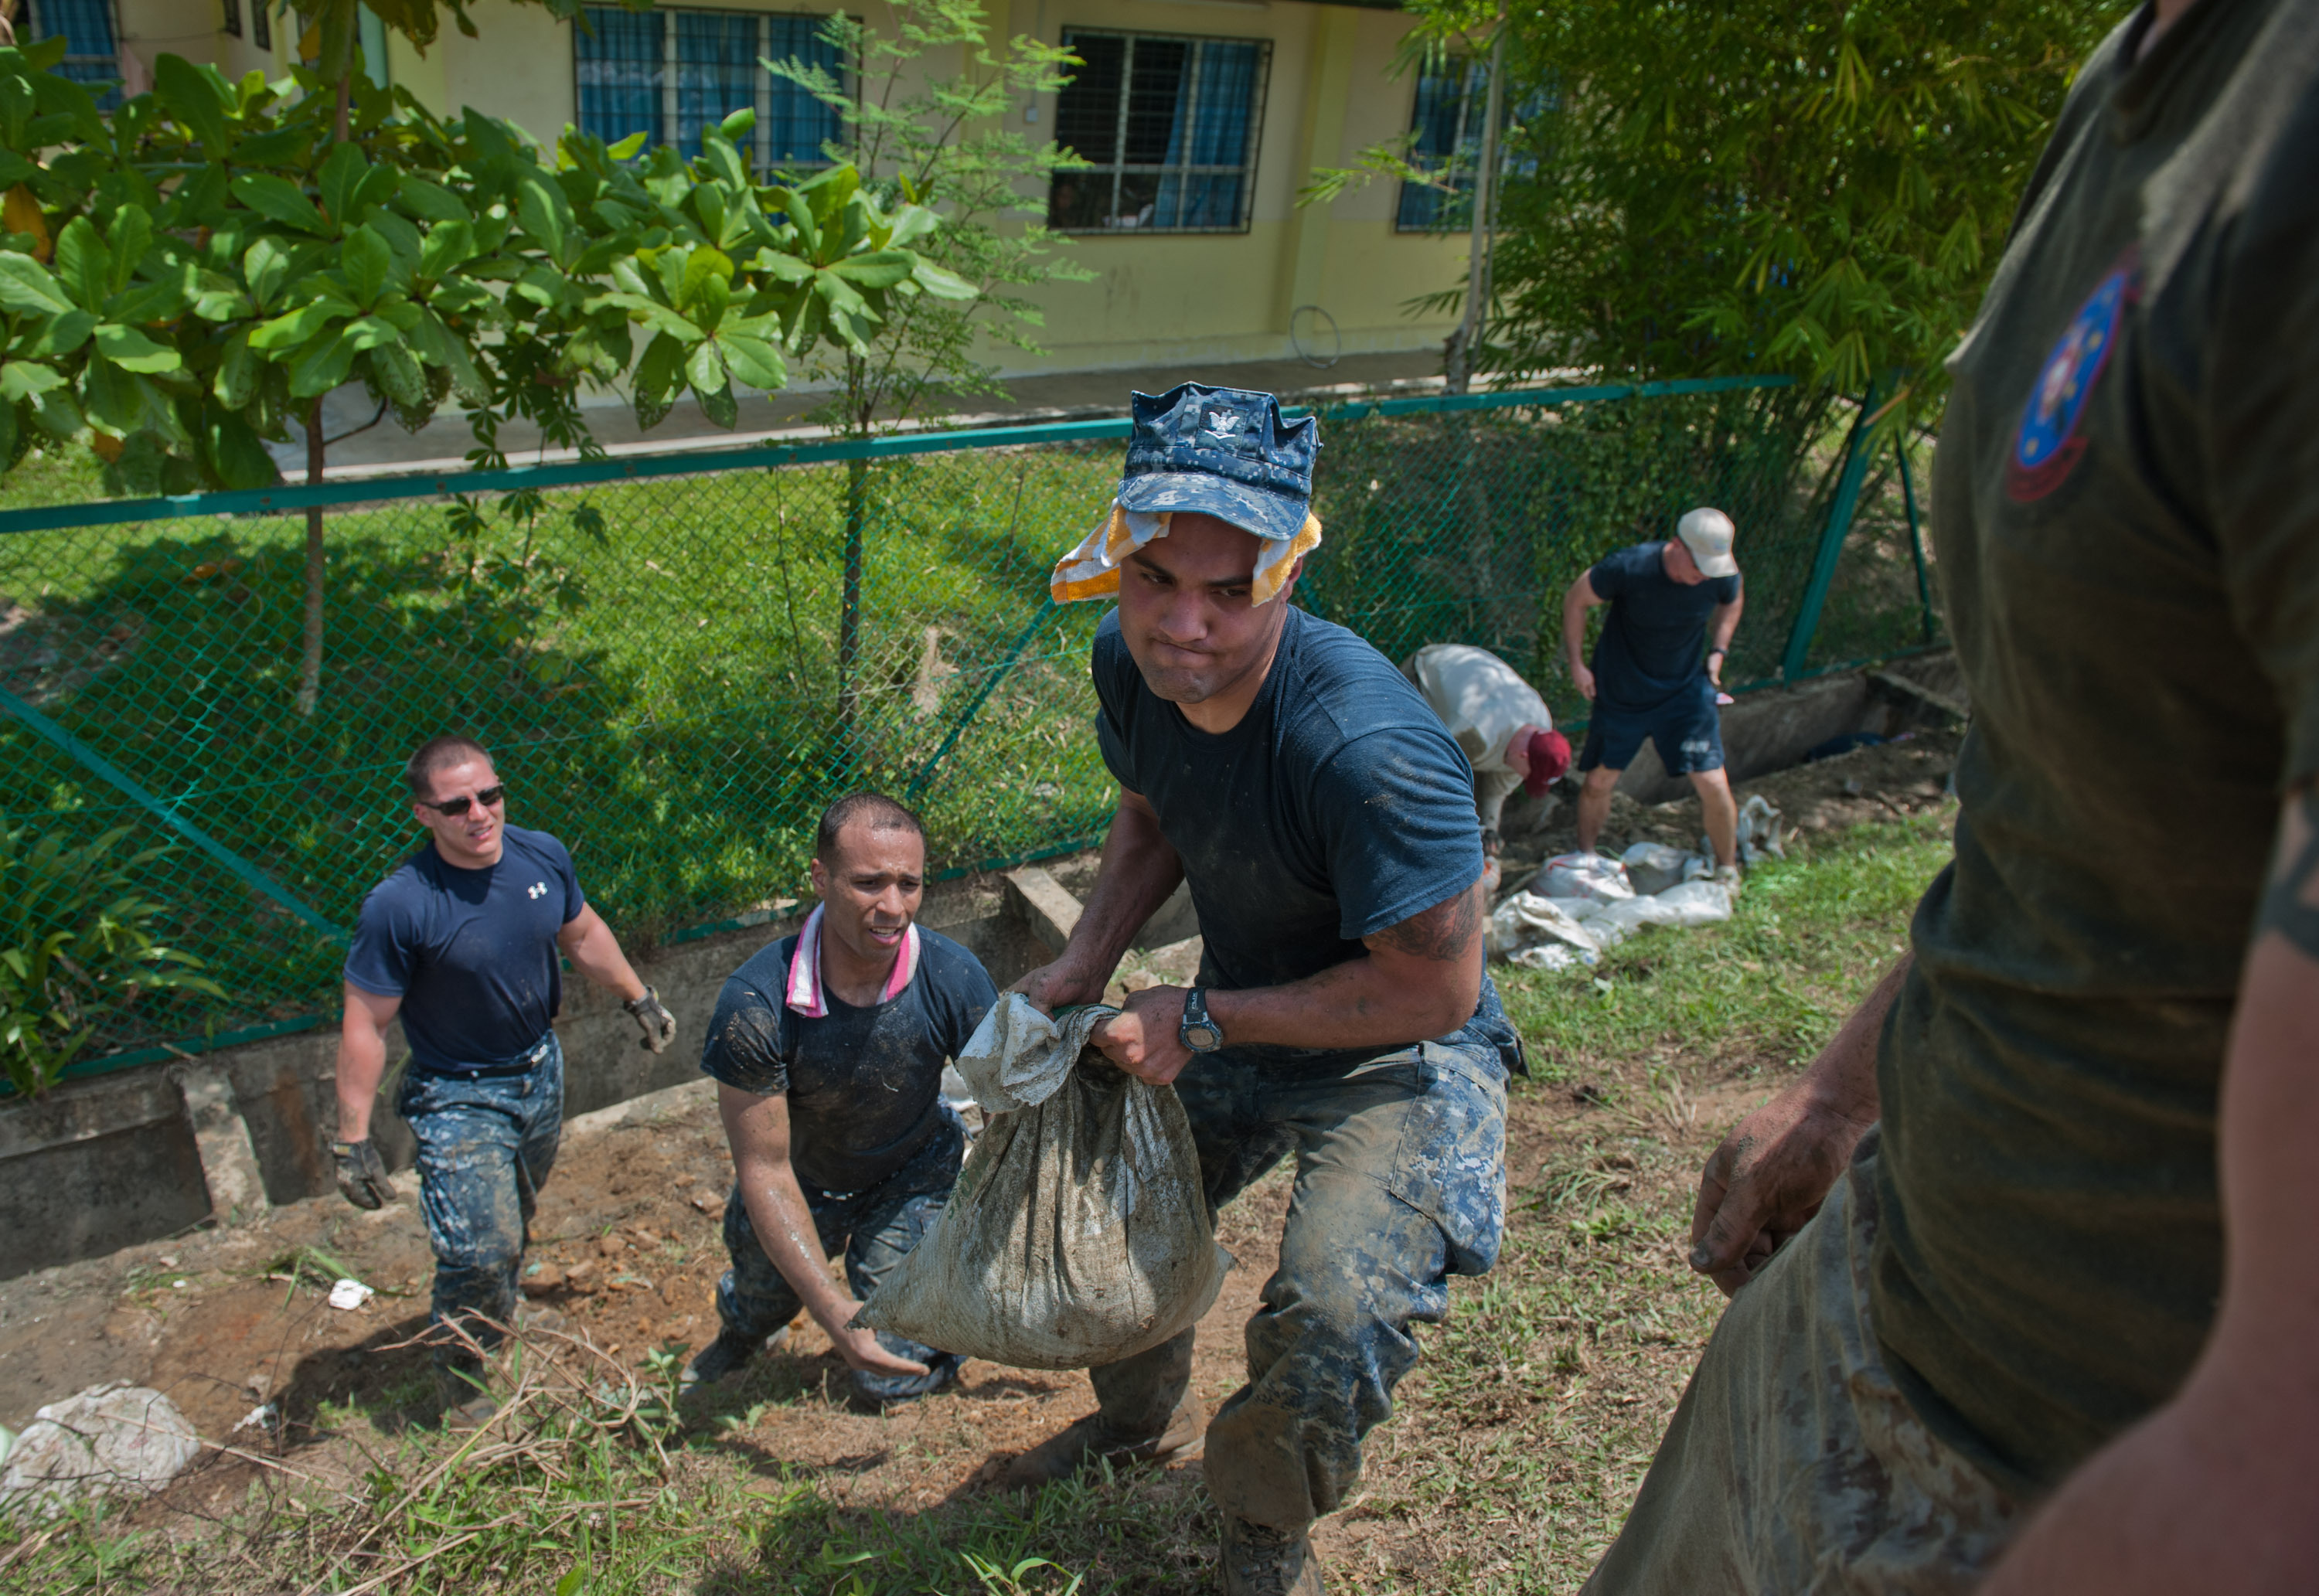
[(449, 245), (879, 269), (293, 330), (279, 200), (546, 215), (755, 361), (431, 201), (236, 457), (320, 366), (197, 98), (394, 372), (60, 337), (704, 266), (781, 268), (58, 413), (28, 288), (132, 350), (84, 265), (366, 260), (264, 266), (941, 284), (112, 397), (22, 379), (238, 372), (369, 332), (661, 369), (131, 234), (343, 170), (798, 207)]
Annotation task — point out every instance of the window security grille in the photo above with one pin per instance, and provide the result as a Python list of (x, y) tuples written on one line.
[(1170, 126), (91, 55), (672, 74), (233, 16), (1452, 100)]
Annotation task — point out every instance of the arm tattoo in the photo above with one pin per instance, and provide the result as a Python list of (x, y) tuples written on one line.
[(1442, 934), (2290, 904)]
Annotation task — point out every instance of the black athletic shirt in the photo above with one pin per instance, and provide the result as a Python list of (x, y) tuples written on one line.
[(1336, 807), (1650, 647), (471, 953), (865, 1085)]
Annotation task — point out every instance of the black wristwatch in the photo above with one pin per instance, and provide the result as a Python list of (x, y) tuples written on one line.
[(1199, 1032)]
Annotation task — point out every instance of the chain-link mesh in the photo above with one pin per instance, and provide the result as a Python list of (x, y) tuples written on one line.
[(677, 674)]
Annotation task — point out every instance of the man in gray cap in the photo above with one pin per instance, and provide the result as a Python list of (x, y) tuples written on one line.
[(1325, 822)]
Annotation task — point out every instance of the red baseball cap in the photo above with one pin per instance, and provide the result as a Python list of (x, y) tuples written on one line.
[(1549, 757)]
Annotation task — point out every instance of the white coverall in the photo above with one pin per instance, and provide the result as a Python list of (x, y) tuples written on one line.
[(1484, 701)]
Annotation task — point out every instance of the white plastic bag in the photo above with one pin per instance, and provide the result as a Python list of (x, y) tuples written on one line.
[(1588, 876), (1759, 830), (1525, 919), (1078, 1233), (1553, 956), (1653, 867), (1694, 903)]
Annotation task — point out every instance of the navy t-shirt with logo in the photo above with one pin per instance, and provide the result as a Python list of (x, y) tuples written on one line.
[(865, 1085), (1337, 807), (471, 953), (1649, 651)]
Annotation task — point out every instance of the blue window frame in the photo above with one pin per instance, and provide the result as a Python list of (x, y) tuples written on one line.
[(1446, 128), (672, 74), (92, 55), (1169, 126)]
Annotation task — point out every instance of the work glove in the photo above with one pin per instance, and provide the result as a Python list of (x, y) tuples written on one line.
[(659, 1024), (362, 1173)]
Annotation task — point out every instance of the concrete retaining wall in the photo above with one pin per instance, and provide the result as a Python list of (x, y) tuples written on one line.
[(114, 1160)]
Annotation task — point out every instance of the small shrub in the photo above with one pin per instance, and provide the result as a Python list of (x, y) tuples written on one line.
[(77, 948)]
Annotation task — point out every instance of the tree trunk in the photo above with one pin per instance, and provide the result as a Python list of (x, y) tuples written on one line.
[(310, 669)]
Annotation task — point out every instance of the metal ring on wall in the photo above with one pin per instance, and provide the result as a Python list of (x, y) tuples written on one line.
[(1335, 340)]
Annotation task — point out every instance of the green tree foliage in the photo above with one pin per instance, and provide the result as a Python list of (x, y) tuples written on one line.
[(1757, 186), (77, 949), (951, 144)]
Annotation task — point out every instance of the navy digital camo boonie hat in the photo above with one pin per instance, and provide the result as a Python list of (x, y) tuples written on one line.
[(1224, 452)]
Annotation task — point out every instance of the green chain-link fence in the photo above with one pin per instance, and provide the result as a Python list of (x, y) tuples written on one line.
[(678, 661)]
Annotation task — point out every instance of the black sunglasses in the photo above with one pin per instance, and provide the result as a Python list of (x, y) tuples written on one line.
[(456, 806)]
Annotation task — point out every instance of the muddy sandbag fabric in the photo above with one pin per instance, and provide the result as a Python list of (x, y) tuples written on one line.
[(1078, 1233)]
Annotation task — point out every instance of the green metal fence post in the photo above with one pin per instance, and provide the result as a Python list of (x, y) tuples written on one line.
[(1916, 537), (1831, 542), (104, 769)]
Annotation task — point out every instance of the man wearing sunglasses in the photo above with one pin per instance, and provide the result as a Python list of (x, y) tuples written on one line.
[(464, 943)]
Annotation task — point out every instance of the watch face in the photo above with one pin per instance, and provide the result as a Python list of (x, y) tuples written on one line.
[(1202, 1038)]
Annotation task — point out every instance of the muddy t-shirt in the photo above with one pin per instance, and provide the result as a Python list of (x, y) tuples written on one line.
[(471, 953), (1337, 807), (865, 1085), (2126, 519), (1652, 638)]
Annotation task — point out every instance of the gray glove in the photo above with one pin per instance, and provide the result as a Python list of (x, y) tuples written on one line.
[(660, 1025), (362, 1173)]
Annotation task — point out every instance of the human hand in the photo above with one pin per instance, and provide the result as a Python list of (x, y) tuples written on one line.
[(1767, 1180), (858, 1345), (659, 1024), (1584, 678), (1058, 985), (1715, 669), (362, 1173), (1146, 1038)]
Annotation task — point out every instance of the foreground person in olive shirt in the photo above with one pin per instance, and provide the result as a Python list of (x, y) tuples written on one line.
[(2055, 1325)]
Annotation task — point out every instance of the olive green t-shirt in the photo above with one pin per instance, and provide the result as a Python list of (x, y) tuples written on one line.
[(2126, 515)]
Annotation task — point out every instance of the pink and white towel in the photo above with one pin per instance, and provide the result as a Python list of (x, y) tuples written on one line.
[(804, 993)]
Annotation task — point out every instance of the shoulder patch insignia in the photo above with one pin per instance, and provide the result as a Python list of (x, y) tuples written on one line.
[(2047, 447)]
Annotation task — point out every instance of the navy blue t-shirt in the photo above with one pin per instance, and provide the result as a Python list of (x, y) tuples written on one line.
[(1650, 648), (1337, 807), (471, 953), (865, 1085)]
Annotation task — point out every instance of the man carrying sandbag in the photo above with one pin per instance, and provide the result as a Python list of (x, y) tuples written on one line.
[(828, 1049), (1502, 725), (1325, 823)]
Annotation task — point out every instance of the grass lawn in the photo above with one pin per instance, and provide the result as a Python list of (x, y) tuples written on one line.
[(1512, 1456)]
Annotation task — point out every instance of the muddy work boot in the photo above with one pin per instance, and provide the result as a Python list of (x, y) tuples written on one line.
[(726, 1356), (1061, 1455), (1261, 1561)]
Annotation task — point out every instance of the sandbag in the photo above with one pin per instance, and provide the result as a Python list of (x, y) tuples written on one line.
[(110, 1439), (1525, 921), (1588, 876), (1693, 902), (1653, 867), (1078, 1233)]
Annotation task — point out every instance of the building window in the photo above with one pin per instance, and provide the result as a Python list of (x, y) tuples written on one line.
[(1446, 140), (91, 55), (1169, 126), (261, 24), (672, 75), (233, 16)]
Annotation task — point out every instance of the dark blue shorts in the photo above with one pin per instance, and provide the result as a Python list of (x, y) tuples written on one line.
[(1688, 729)]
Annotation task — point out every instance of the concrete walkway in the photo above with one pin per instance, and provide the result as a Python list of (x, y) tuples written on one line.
[(386, 450)]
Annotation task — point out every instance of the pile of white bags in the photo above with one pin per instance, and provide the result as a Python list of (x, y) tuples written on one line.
[(1580, 904), (1078, 1233)]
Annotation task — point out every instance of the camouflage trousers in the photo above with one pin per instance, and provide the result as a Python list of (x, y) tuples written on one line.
[(485, 1146), (1793, 1462), (1400, 1183)]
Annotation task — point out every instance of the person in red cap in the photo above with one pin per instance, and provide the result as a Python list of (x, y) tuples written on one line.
[(1499, 720)]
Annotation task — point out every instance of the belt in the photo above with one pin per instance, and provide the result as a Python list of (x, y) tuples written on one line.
[(523, 1065)]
